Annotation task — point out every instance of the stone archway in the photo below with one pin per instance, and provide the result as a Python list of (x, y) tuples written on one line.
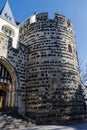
[(8, 85)]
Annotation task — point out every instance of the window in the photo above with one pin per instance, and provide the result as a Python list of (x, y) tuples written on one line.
[(7, 31), (70, 48), (8, 17)]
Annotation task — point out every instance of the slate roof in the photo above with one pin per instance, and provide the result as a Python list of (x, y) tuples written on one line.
[(7, 14)]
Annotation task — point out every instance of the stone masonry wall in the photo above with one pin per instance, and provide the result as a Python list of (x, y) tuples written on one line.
[(17, 58), (53, 83)]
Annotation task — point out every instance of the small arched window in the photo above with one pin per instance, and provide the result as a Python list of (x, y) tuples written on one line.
[(7, 31), (69, 48)]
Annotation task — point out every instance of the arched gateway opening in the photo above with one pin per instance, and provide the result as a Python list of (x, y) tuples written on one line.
[(8, 85)]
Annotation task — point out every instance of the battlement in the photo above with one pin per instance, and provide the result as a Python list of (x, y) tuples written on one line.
[(41, 22), (44, 17)]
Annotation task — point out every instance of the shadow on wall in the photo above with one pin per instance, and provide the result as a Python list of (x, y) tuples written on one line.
[(78, 105)]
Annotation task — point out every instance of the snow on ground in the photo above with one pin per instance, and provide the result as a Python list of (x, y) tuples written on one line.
[(55, 127)]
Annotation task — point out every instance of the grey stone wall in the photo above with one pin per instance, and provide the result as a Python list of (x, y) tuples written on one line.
[(17, 58), (53, 83)]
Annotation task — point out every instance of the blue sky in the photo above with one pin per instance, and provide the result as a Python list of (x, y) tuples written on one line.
[(75, 10)]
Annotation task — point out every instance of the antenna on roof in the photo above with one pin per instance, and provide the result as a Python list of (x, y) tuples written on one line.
[(35, 13)]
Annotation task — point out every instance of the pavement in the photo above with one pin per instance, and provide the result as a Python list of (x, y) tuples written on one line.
[(55, 127)]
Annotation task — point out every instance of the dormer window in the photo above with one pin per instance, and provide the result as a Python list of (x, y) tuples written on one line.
[(7, 17)]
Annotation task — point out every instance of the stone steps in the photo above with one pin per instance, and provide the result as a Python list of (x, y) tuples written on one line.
[(8, 122)]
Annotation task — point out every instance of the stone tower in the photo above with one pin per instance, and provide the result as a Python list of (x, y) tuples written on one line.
[(53, 85)]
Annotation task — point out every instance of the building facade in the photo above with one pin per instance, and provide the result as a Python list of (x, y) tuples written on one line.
[(39, 72)]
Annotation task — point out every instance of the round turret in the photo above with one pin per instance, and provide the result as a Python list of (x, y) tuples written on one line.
[(53, 91)]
